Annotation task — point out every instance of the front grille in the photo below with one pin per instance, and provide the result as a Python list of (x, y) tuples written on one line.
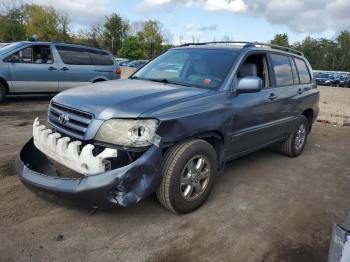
[(77, 124)]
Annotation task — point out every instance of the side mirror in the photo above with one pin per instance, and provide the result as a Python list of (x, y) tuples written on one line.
[(249, 84)]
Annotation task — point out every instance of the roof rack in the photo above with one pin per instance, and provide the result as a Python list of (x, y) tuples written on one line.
[(248, 44), (283, 48), (218, 42)]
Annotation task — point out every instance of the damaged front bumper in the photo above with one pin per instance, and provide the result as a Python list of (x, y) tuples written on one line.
[(123, 186)]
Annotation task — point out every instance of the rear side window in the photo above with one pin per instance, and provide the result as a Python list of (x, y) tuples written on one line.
[(100, 57), (283, 70), (74, 55), (304, 73), (295, 72)]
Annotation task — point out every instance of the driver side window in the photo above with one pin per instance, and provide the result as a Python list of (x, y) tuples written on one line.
[(256, 65), (33, 55)]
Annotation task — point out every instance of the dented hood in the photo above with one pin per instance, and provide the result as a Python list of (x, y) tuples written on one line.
[(125, 98)]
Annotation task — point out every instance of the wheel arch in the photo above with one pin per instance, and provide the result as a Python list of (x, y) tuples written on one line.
[(99, 79), (309, 114), (216, 140), (5, 84)]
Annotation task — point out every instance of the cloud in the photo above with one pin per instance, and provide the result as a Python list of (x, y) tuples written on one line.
[(81, 12), (196, 32), (235, 6), (201, 28), (308, 16), (147, 6)]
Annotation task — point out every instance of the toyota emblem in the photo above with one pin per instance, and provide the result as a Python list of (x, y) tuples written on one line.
[(63, 118)]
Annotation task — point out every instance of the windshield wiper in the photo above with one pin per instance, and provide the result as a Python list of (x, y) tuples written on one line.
[(167, 81)]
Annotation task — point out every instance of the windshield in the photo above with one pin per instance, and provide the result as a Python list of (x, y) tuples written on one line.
[(9, 47), (205, 68)]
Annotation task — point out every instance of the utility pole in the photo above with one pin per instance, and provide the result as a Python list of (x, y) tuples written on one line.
[(113, 45)]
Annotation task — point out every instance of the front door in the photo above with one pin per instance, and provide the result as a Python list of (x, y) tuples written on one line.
[(255, 114), (33, 70), (267, 116)]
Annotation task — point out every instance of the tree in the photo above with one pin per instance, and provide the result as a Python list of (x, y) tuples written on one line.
[(280, 39), (12, 22), (92, 36), (131, 48), (46, 23), (321, 53), (151, 38), (114, 31), (343, 41)]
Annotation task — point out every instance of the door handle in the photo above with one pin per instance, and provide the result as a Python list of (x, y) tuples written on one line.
[(51, 68), (300, 91), (272, 96), (64, 68)]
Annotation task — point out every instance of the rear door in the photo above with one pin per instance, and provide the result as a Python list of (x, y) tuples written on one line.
[(305, 85), (33, 70), (76, 67), (286, 89)]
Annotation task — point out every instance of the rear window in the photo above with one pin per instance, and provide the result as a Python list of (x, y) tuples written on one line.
[(74, 55), (100, 57), (304, 73), (283, 70)]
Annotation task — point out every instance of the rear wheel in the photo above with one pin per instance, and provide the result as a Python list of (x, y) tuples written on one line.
[(295, 143), (188, 175), (2, 93)]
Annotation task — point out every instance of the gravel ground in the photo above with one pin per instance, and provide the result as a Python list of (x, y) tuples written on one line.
[(264, 207)]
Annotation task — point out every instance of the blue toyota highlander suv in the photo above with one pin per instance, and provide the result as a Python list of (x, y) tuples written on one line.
[(171, 127), (43, 67)]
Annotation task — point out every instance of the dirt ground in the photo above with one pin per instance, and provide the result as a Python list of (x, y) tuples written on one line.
[(264, 207), (335, 105)]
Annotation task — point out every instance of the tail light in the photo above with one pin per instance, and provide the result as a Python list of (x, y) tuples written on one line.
[(118, 71)]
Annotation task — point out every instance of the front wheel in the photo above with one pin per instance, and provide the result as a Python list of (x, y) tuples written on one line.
[(294, 145), (188, 175)]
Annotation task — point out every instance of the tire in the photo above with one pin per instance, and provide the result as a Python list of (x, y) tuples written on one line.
[(177, 178), (2, 93), (291, 147)]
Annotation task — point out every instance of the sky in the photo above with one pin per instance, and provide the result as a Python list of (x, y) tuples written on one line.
[(208, 20)]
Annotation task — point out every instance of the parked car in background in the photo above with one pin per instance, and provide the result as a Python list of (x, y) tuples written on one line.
[(172, 126), (121, 61), (324, 79), (137, 63), (335, 80), (344, 80), (44, 67)]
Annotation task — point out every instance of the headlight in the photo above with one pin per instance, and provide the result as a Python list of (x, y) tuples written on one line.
[(128, 132)]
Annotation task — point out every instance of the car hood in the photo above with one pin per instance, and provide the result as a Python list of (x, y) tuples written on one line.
[(125, 98)]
